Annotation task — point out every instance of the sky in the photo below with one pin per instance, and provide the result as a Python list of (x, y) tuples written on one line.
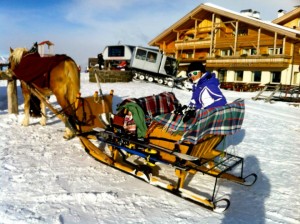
[(81, 29)]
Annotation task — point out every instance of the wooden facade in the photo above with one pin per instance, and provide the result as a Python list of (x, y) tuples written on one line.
[(237, 47)]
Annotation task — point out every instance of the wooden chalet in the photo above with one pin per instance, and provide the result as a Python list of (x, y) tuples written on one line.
[(238, 47)]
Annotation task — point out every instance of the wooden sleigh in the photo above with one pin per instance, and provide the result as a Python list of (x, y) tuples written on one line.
[(183, 147)]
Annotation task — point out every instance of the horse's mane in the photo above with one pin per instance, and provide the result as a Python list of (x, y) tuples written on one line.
[(17, 54)]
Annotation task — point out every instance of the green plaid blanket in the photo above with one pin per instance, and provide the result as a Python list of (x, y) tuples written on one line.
[(224, 120)]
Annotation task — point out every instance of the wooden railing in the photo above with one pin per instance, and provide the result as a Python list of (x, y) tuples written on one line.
[(225, 42), (272, 61), (192, 44)]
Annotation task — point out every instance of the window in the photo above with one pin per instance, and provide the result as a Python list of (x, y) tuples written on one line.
[(188, 54), (276, 77), (226, 52), (171, 66), (242, 32), (151, 57), (249, 51), (256, 76), (116, 51), (245, 51), (141, 54), (222, 75), (277, 51), (239, 75), (253, 51)]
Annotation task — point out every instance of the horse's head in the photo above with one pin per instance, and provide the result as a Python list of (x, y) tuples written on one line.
[(16, 56)]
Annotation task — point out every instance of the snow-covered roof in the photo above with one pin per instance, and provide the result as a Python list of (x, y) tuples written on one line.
[(269, 23)]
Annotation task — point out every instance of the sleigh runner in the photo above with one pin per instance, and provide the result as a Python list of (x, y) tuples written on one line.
[(162, 139)]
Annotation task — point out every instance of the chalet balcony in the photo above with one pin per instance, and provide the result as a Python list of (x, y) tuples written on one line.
[(192, 44), (244, 41), (223, 42), (269, 62)]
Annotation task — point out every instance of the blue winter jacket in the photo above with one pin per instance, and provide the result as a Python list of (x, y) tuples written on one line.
[(207, 93)]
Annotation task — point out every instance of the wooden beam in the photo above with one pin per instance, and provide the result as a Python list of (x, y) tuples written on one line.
[(232, 23), (236, 36), (275, 40), (12, 97), (212, 39), (195, 31), (258, 41), (283, 45)]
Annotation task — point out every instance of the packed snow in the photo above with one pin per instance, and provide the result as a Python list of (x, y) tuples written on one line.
[(46, 179)]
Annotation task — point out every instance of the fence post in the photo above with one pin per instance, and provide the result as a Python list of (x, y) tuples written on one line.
[(12, 97)]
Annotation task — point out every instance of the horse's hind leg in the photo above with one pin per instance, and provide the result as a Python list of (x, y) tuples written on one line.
[(26, 95), (43, 118), (65, 85)]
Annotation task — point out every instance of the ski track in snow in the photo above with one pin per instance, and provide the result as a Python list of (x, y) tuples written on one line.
[(45, 179)]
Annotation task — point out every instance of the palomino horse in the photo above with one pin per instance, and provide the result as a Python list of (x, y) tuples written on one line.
[(45, 76)]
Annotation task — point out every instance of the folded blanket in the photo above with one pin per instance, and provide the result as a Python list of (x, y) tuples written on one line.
[(162, 103), (138, 117)]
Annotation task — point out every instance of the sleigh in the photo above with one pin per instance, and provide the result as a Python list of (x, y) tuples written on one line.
[(162, 140)]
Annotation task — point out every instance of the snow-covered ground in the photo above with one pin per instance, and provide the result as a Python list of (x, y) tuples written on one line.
[(45, 179)]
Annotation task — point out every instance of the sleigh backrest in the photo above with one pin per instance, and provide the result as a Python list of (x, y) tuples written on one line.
[(88, 110)]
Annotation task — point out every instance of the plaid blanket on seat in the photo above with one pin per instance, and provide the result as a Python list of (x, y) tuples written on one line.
[(224, 120), (152, 106)]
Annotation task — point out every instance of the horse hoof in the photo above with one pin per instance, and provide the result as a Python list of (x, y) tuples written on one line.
[(68, 137), (25, 124)]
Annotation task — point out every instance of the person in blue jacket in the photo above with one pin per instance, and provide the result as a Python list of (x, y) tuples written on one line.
[(206, 88)]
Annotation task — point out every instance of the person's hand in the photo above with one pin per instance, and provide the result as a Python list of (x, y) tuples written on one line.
[(180, 109), (188, 114)]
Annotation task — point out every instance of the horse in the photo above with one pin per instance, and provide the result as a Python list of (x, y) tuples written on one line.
[(45, 76)]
